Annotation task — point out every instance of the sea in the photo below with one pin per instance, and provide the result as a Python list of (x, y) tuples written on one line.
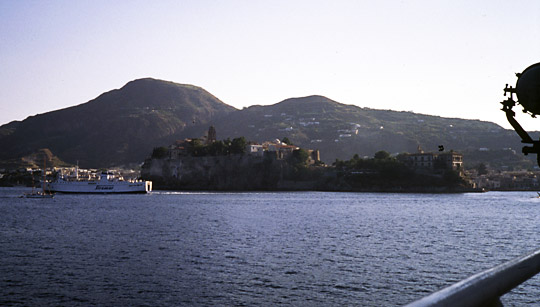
[(258, 249)]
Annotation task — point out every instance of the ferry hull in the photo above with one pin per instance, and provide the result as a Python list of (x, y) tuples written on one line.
[(98, 187)]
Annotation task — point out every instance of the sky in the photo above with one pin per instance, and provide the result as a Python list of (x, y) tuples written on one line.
[(446, 58)]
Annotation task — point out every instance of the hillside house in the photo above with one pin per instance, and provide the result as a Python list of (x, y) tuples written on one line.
[(434, 161), (484, 182), (282, 150), (421, 160), (255, 150), (451, 160), (314, 156), (511, 181), (275, 149)]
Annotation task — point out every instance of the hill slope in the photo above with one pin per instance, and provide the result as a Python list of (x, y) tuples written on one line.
[(38, 159), (340, 130), (123, 126), (120, 126)]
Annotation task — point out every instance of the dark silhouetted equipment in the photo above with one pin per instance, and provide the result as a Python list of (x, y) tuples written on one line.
[(527, 91), (441, 148)]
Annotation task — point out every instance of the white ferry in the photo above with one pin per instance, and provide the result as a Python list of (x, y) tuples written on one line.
[(107, 183)]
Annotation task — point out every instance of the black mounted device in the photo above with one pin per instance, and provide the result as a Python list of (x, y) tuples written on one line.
[(527, 91)]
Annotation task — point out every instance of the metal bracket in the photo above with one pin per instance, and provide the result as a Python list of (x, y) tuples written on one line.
[(508, 104), (509, 89)]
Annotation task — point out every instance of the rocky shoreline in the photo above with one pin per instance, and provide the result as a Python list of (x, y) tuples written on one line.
[(239, 173)]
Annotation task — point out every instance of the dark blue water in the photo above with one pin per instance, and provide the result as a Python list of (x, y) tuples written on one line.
[(310, 249)]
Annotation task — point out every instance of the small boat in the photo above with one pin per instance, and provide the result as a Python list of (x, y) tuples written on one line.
[(39, 194)]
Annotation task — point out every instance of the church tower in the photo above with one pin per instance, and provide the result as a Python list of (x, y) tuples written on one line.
[(211, 135)]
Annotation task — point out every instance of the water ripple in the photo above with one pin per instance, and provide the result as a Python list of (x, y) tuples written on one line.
[(253, 249)]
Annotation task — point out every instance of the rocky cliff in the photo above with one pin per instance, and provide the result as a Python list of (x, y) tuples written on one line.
[(231, 172), (250, 173)]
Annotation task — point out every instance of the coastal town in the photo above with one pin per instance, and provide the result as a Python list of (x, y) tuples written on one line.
[(479, 178), (423, 163)]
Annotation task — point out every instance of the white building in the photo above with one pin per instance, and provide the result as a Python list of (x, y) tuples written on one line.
[(255, 150)]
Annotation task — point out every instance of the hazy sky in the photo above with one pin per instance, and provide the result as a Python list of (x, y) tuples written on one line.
[(448, 58)]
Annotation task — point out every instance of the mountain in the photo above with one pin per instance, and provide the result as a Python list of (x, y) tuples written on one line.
[(118, 127), (339, 131), (124, 125)]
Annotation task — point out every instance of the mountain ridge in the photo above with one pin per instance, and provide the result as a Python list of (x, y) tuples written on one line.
[(341, 130), (115, 126), (122, 126)]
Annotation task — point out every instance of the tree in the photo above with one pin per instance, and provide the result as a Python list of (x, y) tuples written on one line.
[(481, 169), (286, 141), (298, 165), (238, 145), (381, 155), (217, 148), (160, 152), (299, 157), (197, 148)]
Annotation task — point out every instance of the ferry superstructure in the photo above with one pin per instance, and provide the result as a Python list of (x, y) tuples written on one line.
[(107, 183)]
